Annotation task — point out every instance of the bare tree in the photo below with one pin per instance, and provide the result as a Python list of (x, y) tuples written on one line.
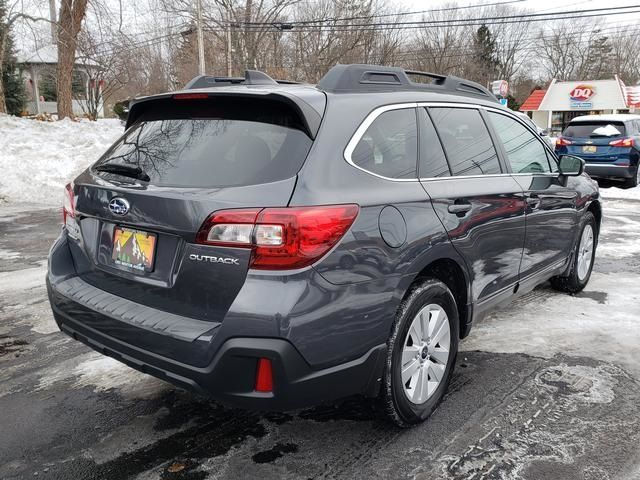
[(625, 45), (575, 49), (72, 13)]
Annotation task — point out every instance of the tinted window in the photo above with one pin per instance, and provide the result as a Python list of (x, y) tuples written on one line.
[(525, 152), (217, 143), (466, 141), (594, 129), (389, 147), (432, 163)]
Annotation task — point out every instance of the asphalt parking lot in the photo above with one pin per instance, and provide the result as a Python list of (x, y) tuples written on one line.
[(547, 388)]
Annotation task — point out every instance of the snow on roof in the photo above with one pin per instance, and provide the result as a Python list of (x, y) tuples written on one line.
[(48, 55), (620, 117)]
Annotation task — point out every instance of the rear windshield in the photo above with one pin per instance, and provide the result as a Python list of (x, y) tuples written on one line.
[(219, 142), (594, 129)]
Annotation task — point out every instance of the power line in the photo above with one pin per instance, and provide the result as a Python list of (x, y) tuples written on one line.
[(397, 14), (520, 18)]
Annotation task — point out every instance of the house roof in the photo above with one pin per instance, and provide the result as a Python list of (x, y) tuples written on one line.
[(48, 55), (533, 102)]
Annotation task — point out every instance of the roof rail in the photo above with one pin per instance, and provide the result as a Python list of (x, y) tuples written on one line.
[(251, 77), (365, 78)]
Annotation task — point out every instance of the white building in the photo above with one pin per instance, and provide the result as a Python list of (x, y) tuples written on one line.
[(45, 60), (553, 108)]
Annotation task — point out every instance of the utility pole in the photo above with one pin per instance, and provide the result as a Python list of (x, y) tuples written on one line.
[(54, 22), (201, 65), (228, 42)]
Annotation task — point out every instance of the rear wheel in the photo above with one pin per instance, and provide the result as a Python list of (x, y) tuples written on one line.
[(584, 256), (421, 353), (635, 180)]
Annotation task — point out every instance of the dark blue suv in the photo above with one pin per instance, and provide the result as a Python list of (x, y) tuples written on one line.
[(610, 145), (277, 245)]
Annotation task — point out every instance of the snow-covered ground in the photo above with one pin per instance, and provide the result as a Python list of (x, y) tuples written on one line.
[(38, 158)]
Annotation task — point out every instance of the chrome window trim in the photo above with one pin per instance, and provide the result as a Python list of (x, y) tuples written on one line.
[(375, 113)]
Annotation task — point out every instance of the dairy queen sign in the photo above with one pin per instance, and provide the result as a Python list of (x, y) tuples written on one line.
[(581, 95)]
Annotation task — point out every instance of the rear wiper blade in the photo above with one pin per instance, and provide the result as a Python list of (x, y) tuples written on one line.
[(124, 170)]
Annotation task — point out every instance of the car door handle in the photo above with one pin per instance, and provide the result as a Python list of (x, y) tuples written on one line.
[(459, 208)]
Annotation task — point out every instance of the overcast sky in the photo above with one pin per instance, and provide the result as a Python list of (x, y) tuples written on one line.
[(134, 18)]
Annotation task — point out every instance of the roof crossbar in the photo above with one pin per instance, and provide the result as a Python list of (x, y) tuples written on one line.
[(366, 78)]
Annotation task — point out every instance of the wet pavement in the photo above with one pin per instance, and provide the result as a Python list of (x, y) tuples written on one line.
[(547, 388)]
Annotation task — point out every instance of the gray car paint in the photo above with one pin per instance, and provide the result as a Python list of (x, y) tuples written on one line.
[(343, 306)]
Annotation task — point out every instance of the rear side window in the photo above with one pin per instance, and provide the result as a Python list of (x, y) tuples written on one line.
[(432, 163), (220, 142), (466, 141), (389, 147), (594, 129), (525, 152)]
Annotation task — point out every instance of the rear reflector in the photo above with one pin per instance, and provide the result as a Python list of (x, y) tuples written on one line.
[(281, 238), (623, 142), (264, 376)]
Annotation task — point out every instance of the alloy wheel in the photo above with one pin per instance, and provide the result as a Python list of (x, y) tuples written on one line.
[(425, 353), (585, 252)]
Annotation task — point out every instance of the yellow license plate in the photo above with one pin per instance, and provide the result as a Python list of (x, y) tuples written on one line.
[(133, 249), (589, 149)]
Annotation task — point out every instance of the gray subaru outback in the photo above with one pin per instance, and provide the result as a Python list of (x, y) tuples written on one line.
[(276, 245)]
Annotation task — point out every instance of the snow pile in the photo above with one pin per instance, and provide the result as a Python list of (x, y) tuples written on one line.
[(37, 159), (615, 192)]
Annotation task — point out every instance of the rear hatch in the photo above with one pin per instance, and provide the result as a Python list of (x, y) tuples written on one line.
[(596, 140), (141, 206)]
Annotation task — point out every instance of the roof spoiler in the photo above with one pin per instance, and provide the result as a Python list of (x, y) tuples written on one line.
[(366, 78)]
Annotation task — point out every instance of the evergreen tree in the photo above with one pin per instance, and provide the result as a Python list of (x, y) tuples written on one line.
[(13, 86), (486, 59)]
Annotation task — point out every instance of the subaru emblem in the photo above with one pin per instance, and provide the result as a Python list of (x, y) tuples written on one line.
[(119, 206)]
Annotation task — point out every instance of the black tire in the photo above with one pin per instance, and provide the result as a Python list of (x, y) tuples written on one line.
[(635, 180), (395, 403), (572, 283)]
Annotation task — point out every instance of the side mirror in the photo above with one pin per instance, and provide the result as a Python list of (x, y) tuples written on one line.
[(544, 133), (571, 166)]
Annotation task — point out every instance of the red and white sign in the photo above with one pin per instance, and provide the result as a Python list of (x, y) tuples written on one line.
[(500, 88), (582, 93)]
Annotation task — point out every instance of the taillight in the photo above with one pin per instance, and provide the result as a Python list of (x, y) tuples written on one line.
[(281, 238), (562, 142), (623, 142), (68, 203)]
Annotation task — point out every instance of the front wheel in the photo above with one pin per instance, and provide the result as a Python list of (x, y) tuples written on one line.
[(421, 353), (584, 256)]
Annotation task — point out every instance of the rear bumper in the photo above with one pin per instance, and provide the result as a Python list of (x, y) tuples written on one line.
[(230, 378), (609, 170), (216, 359)]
